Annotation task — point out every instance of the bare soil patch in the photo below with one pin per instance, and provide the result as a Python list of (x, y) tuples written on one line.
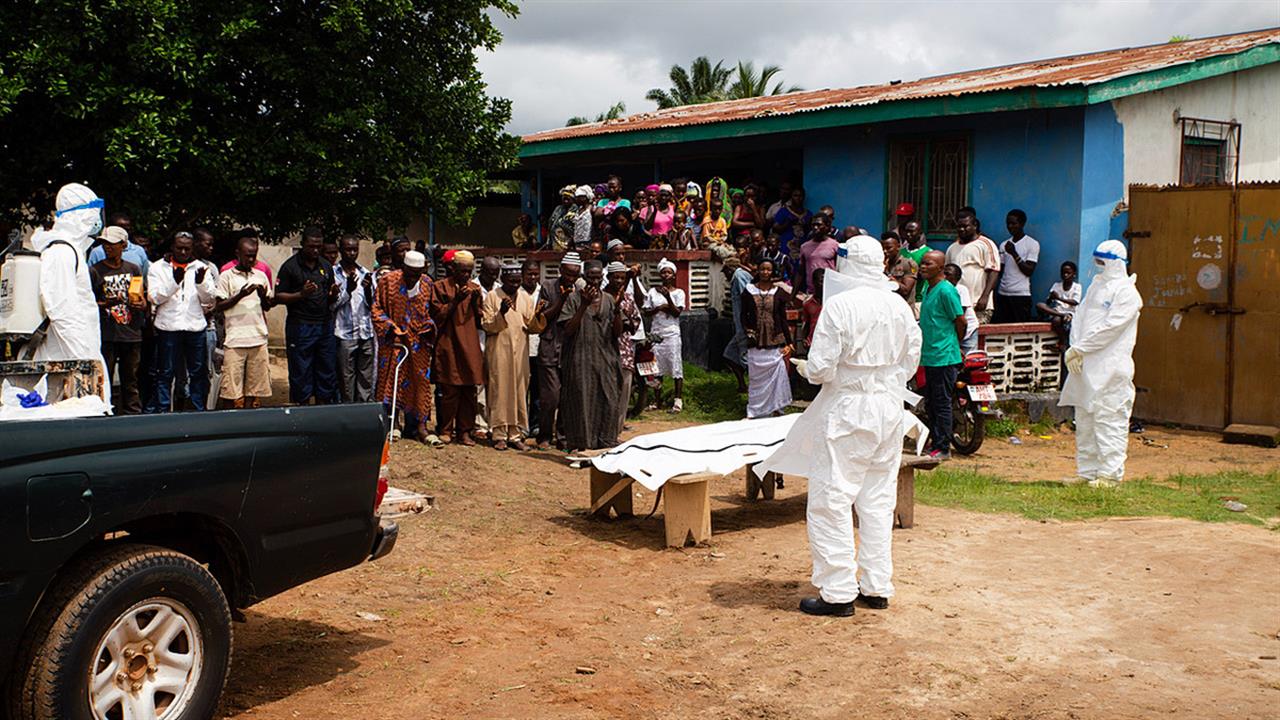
[(509, 602)]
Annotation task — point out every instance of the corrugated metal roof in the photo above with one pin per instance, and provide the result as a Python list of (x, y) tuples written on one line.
[(1072, 70)]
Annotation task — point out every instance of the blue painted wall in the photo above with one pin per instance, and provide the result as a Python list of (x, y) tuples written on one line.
[(1030, 160), (1102, 182)]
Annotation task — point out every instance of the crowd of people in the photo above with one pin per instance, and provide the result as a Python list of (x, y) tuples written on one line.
[(775, 252), (486, 350)]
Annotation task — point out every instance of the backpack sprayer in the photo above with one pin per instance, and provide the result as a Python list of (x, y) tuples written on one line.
[(22, 319)]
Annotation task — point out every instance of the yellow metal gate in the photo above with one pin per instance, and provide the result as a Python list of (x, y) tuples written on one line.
[(1208, 267)]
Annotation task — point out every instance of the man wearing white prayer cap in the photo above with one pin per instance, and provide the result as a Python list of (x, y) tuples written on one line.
[(415, 259), (848, 443), (508, 318), (552, 296)]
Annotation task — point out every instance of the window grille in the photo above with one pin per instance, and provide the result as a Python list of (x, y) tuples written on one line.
[(1210, 152), (933, 175)]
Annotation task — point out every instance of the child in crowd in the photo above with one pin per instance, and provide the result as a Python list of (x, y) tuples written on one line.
[(682, 237), (1064, 296), (664, 304), (951, 272), (715, 229)]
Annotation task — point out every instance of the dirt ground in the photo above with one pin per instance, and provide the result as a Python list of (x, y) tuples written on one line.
[(509, 602)]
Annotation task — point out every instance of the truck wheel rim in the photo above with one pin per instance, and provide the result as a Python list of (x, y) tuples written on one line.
[(148, 664)]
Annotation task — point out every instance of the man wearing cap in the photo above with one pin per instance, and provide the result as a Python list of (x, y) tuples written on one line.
[(119, 286), (550, 343), (459, 365), (905, 213), (508, 317), (402, 324)]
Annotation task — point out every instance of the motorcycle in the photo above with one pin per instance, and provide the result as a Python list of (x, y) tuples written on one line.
[(972, 402)]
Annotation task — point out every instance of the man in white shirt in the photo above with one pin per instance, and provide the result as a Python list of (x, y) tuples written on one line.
[(353, 323), (1018, 257), (179, 286), (978, 261)]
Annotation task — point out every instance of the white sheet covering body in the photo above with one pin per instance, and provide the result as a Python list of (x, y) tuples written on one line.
[(848, 443), (719, 448)]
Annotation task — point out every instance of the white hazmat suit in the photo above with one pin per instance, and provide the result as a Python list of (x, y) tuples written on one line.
[(1100, 366), (65, 290), (848, 443)]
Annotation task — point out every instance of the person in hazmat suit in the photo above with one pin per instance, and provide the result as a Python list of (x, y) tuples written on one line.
[(1100, 367), (848, 443), (65, 291)]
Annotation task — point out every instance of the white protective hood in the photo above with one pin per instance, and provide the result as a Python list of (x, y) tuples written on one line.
[(859, 263)]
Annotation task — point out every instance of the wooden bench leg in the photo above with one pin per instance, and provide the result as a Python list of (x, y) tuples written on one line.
[(757, 486), (610, 490), (753, 484), (905, 512), (687, 512)]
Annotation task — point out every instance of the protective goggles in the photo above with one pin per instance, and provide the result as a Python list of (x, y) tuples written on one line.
[(96, 204), (1108, 256)]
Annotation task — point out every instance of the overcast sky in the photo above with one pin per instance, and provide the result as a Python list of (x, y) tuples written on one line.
[(562, 58)]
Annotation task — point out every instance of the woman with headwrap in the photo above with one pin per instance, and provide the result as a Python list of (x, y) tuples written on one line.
[(764, 320), (718, 190), (659, 218), (562, 230), (664, 304), (591, 401)]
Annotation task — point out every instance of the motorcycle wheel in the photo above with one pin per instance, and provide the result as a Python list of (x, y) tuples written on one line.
[(969, 427)]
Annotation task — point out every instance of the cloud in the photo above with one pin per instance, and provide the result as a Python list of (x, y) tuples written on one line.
[(562, 58)]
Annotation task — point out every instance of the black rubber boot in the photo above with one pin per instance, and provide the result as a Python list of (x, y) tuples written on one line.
[(818, 606)]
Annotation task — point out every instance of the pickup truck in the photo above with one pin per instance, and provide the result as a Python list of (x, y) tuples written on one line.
[(130, 544)]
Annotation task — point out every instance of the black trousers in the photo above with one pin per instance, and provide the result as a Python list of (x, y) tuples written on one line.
[(549, 427), (126, 358), (1012, 309), (940, 388)]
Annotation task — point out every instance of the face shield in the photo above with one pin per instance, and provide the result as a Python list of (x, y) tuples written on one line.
[(859, 263), (1109, 260)]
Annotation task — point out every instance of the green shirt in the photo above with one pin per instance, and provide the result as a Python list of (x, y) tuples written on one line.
[(917, 256), (938, 313)]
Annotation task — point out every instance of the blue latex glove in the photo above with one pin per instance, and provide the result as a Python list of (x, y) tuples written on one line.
[(31, 399)]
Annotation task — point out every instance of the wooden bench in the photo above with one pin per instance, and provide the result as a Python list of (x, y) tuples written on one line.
[(686, 499)]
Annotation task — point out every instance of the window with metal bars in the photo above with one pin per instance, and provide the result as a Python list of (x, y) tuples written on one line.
[(1210, 151), (933, 175)]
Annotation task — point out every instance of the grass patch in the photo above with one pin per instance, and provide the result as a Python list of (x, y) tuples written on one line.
[(1195, 497), (709, 397), (1001, 427)]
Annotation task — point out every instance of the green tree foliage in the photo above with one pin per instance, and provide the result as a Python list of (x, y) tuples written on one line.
[(614, 112), (701, 83), (749, 83), (354, 113)]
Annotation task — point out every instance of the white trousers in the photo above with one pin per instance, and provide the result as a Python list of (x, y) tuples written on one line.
[(1102, 443), (841, 569)]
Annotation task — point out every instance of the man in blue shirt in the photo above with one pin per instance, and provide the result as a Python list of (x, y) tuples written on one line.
[(941, 327), (735, 353)]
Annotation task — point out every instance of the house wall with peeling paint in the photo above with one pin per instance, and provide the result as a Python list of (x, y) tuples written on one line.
[(1153, 137)]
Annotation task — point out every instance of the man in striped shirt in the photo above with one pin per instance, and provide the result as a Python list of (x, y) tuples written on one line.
[(353, 323), (243, 296)]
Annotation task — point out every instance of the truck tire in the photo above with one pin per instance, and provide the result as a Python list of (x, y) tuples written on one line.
[(129, 628)]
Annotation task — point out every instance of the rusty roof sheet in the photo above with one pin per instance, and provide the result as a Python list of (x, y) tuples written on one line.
[(1071, 70)]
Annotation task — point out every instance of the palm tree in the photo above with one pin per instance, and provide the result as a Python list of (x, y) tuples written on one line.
[(702, 83), (614, 112), (748, 84)]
